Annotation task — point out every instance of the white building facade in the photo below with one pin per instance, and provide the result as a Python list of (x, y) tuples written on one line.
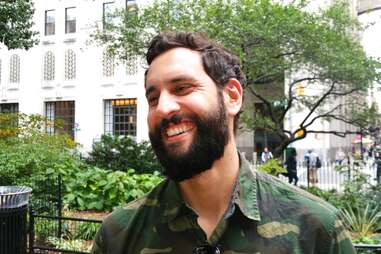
[(369, 14), (69, 78)]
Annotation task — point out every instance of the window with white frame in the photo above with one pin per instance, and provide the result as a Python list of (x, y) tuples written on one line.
[(60, 116), (14, 69), (9, 107), (131, 5), (70, 65), (49, 66), (120, 116), (70, 20), (108, 64), (50, 22), (108, 14), (132, 65), (0, 71)]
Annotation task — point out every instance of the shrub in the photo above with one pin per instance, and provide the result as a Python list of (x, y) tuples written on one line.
[(28, 156), (45, 227), (87, 230), (362, 222), (99, 189), (123, 153), (331, 196), (272, 167), (69, 244)]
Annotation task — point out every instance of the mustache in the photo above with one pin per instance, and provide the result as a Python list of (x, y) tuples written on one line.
[(174, 119)]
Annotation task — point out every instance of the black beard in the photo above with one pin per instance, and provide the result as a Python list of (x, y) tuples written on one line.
[(208, 145)]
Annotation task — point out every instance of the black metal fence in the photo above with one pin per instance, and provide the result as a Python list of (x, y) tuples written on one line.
[(50, 231), (61, 234)]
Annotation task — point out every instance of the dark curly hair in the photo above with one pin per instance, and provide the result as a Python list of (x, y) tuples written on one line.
[(220, 64)]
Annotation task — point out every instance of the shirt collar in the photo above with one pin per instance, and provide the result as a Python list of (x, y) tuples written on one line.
[(244, 195), (247, 187)]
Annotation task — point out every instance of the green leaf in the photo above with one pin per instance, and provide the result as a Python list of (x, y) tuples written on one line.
[(70, 197)]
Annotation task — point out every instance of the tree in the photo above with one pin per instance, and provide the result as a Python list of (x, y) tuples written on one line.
[(294, 59), (16, 24)]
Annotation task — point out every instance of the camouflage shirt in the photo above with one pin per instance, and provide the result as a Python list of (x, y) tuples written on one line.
[(266, 216)]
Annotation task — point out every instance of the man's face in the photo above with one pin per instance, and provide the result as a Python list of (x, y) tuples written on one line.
[(187, 120)]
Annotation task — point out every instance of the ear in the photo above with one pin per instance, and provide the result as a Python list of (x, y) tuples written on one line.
[(233, 94)]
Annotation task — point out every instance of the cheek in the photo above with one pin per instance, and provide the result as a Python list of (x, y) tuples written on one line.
[(150, 121)]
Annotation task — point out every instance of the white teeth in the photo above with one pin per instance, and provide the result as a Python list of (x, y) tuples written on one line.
[(177, 130)]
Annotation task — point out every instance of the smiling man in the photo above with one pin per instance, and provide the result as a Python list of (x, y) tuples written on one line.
[(212, 201)]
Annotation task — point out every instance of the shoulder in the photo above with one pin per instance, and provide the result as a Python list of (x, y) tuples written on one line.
[(285, 208), (288, 202), (274, 186)]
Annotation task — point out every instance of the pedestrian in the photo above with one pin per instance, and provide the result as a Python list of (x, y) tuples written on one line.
[(377, 157), (313, 164), (266, 155), (340, 156), (212, 200), (291, 165), (371, 151)]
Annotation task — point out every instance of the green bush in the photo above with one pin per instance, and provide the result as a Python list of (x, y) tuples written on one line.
[(362, 221), (359, 205), (28, 156), (272, 167), (44, 227), (69, 244), (99, 189), (331, 196), (87, 230), (357, 192), (123, 153)]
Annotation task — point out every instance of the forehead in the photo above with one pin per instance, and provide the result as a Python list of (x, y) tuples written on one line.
[(177, 62)]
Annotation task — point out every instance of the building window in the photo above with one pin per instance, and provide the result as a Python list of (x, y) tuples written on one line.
[(70, 22), (70, 65), (9, 107), (108, 64), (120, 117), (62, 114), (50, 22), (108, 14), (132, 65), (49, 66), (0, 71), (131, 5), (14, 69)]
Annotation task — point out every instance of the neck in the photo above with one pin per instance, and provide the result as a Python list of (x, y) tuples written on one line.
[(209, 193)]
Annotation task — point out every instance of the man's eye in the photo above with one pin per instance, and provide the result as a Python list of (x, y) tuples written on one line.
[(183, 89), (152, 101)]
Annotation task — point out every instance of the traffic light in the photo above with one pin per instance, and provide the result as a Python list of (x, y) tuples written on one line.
[(300, 90), (299, 133)]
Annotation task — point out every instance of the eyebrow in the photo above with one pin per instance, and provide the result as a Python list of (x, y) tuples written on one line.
[(182, 78), (177, 79)]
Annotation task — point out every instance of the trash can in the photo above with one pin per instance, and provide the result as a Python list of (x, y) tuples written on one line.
[(13, 219)]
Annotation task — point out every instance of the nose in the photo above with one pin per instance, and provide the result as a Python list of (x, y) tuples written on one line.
[(167, 104)]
